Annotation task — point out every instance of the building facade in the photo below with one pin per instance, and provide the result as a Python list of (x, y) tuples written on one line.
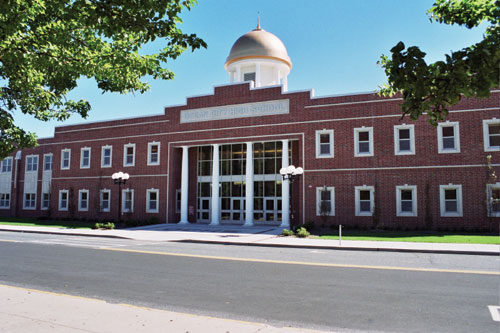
[(217, 159)]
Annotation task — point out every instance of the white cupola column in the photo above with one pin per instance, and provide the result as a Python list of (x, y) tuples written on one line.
[(257, 74), (285, 189), (249, 186), (215, 214), (184, 186)]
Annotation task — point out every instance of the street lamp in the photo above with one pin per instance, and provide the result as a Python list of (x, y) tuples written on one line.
[(120, 178), (291, 173)]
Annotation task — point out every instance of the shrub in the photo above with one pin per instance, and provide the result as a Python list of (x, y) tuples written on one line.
[(287, 232), (154, 220), (302, 232), (104, 225)]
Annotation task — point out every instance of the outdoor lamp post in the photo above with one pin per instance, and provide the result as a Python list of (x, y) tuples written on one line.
[(291, 173), (120, 178)]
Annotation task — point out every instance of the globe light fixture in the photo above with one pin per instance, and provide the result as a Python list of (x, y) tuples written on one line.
[(291, 173), (120, 178)]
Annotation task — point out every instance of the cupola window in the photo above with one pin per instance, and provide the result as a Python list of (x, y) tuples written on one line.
[(249, 76)]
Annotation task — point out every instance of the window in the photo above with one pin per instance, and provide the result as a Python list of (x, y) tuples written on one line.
[(6, 165), (153, 153), (4, 200), (448, 137), (493, 192), (45, 201), (178, 196), (65, 159), (83, 200), (129, 155), (491, 134), (127, 201), (47, 162), (249, 76), (29, 201), (85, 158), (104, 199), (406, 200), (152, 196), (404, 140), (363, 141), (31, 163), (325, 201), (364, 200), (451, 200), (324, 143), (106, 155), (63, 200)]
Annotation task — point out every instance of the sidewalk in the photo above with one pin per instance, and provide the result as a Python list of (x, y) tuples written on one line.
[(257, 236), (28, 310)]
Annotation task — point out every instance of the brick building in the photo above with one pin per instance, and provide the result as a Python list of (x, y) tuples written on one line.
[(217, 159)]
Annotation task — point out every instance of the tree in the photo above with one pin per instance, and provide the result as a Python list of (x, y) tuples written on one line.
[(47, 45), (470, 72)]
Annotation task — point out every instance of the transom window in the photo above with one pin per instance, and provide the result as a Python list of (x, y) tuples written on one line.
[(31, 163), (363, 141), (6, 165), (491, 134), (85, 158), (448, 137), (324, 143)]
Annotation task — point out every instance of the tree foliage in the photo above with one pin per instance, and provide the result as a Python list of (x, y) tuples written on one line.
[(470, 72), (47, 45)]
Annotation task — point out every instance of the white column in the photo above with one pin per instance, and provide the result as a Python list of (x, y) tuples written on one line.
[(276, 75), (231, 77), (285, 83), (285, 189), (184, 186), (215, 212), (238, 74), (249, 186), (257, 75)]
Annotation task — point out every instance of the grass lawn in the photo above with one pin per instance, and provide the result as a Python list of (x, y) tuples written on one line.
[(32, 222), (414, 236)]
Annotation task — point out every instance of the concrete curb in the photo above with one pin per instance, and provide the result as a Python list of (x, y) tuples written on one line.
[(63, 233), (342, 248)]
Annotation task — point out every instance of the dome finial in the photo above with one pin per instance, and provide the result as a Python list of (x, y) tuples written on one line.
[(258, 21)]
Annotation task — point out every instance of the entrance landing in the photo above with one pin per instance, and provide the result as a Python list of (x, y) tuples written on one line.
[(197, 227)]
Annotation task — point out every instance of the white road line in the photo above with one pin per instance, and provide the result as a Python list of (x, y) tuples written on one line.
[(495, 312)]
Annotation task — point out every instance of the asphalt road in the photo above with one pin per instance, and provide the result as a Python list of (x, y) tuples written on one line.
[(391, 292)]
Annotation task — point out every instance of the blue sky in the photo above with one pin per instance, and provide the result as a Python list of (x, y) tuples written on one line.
[(334, 46)]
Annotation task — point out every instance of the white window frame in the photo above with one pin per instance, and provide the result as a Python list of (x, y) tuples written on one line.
[(31, 200), (456, 136), (356, 141), (4, 206), (63, 209), (80, 201), (148, 200), (330, 189), (82, 151), (357, 189), (67, 150), (151, 144), (101, 192), (399, 206), (45, 157), (131, 210), (318, 143), (458, 189), (489, 188), (31, 157), (486, 134), (129, 145), (411, 129), (42, 201), (6, 164), (103, 148)]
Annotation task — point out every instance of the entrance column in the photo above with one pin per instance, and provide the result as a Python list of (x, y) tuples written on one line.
[(285, 189), (215, 214), (249, 186), (184, 186)]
